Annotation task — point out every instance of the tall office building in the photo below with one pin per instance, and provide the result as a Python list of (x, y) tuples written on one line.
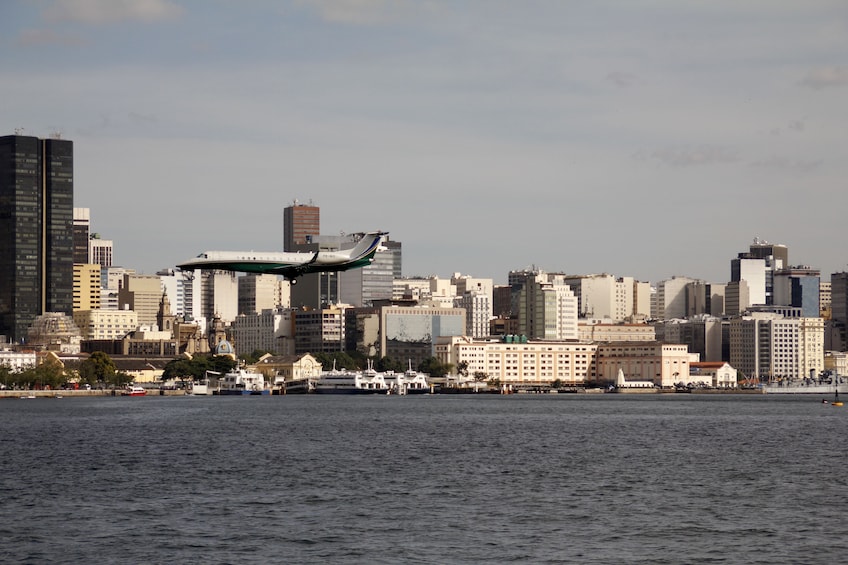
[(36, 230), (756, 273), (775, 256), (364, 286), (301, 222), (82, 228), (799, 287), (141, 294), (100, 251), (839, 302), (762, 249), (547, 308)]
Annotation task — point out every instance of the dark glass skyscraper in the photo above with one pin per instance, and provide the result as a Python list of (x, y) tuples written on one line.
[(36, 230)]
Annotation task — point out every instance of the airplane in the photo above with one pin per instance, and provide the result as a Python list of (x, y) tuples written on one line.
[(290, 265)]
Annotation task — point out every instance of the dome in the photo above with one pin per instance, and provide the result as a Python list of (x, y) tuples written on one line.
[(224, 347), (55, 330)]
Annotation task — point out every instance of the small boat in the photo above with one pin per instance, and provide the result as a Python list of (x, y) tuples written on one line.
[(199, 388), (133, 390)]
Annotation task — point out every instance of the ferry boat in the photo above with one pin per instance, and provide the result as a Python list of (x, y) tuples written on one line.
[(416, 382), (242, 383), (350, 382), (133, 390), (408, 382)]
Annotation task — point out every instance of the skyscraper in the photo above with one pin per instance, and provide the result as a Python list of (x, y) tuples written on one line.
[(36, 230), (301, 223), (82, 228)]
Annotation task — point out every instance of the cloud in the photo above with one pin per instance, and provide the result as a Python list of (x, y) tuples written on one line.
[(829, 77), (36, 37), (111, 11), (691, 156), (621, 79), (364, 12), (785, 164), (797, 125)]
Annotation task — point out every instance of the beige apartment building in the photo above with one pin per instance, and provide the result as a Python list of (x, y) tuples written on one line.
[(521, 363), (615, 332), (105, 324), (664, 364), (141, 294), (86, 286), (518, 362), (768, 346)]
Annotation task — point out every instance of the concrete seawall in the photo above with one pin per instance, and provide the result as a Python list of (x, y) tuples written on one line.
[(80, 393)]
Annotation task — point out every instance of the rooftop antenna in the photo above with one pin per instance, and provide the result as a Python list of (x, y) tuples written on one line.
[(19, 131)]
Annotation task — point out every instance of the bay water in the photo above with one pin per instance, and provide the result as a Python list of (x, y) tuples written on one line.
[(424, 479)]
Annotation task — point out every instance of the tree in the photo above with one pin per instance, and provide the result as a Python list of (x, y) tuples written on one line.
[(195, 368), (99, 367), (385, 364), (46, 374), (121, 379), (254, 356), (338, 360), (434, 367), (6, 379), (480, 376), (180, 369)]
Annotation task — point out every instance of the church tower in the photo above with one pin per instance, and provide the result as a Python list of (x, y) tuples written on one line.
[(164, 319)]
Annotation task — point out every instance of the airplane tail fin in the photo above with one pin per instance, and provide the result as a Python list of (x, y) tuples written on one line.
[(367, 245)]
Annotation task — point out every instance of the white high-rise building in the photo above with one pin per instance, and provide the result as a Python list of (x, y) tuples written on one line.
[(269, 330), (475, 296), (100, 251), (671, 298), (478, 312), (262, 292), (547, 308), (768, 346), (753, 272), (208, 294), (605, 296)]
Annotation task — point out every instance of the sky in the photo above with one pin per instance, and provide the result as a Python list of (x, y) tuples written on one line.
[(640, 138)]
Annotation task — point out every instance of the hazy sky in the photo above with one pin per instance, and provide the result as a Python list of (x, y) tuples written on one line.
[(638, 138)]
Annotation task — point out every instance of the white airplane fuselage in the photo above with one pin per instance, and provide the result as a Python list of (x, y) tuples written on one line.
[(289, 264)]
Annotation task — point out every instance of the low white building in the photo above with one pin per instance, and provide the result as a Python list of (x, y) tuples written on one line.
[(716, 374), (17, 361)]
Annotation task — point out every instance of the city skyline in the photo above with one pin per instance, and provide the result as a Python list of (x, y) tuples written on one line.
[(644, 140)]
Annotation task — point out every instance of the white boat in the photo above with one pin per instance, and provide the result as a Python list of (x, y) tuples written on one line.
[(351, 382), (242, 383), (200, 388), (133, 390), (416, 382), (826, 385), (409, 382), (296, 386)]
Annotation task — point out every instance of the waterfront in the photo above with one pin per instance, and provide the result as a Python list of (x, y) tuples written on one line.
[(424, 479)]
